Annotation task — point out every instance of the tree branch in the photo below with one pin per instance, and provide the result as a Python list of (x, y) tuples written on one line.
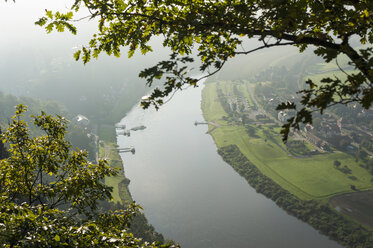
[(266, 46)]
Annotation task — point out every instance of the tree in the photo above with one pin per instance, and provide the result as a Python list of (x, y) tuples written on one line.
[(49, 193), (3, 152), (336, 163), (217, 30)]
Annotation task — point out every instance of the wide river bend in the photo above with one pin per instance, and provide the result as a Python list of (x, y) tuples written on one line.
[(190, 195)]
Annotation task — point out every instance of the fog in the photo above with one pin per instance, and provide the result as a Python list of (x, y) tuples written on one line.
[(40, 65), (34, 63)]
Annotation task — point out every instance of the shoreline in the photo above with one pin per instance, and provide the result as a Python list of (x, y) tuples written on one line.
[(140, 226), (119, 182), (320, 216), (337, 227)]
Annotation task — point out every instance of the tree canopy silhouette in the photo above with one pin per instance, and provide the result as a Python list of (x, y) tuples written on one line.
[(217, 30), (49, 193)]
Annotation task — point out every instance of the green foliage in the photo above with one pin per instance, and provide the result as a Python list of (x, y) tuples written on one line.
[(44, 169), (251, 131), (3, 151), (49, 193), (308, 175), (7, 103), (345, 169), (107, 133), (336, 163), (217, 30), (60, 23), (80, 140), (297, 147), (318, 215)]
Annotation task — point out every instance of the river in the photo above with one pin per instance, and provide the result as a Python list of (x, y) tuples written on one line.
[(190, 195)]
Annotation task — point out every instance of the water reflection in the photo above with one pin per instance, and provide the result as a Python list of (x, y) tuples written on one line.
[(190, 195)]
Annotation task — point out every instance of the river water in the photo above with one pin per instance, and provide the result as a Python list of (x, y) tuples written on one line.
[(190, 195)]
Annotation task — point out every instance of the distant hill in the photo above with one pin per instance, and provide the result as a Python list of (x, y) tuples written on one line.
[(8, 103)]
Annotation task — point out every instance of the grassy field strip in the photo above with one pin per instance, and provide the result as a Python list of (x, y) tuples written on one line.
[(316, 78), (228, 135), (214, 111), (309, 178), (245, 91), (305, 171), (250, 151), (283, 176), (336, 184), (120, 192)]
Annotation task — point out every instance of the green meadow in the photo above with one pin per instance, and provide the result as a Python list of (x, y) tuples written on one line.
[(244, 89), (311, 177), (120, 192), (331, 70)]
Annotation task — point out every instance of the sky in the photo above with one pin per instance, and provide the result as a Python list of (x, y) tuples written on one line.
[(27, 51), (18, 31), (40, 65)]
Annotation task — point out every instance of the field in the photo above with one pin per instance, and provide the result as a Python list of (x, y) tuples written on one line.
[(325, 70), (245, 92), (316, 78), (312, 177), (120, 192), (358, 206)]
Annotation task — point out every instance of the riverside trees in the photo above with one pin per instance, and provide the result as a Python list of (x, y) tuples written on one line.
[(217, 31), (321, 216), (49, 193)]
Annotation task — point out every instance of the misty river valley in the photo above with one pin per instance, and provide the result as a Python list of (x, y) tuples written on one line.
[(191, 195), (232, 157)]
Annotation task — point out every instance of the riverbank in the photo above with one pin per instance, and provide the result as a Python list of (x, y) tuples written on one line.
[(107, 149), (301, 186), (309, 178), (191, 195), (119, 183), (320, 216)]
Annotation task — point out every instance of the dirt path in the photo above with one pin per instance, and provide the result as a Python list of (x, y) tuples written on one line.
[(214, 124)]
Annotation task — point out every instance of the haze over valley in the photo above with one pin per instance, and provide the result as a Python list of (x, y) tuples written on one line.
[(210, 167)]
